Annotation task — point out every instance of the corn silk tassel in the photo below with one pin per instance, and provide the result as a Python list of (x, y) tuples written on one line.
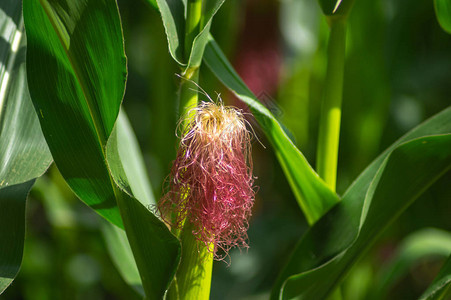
[(211, 182)]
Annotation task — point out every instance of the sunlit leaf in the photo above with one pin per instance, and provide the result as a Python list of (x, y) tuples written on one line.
[(378, 196), (24, 155), (132, 161), (76, 75), (173, 15), (76, 69), (312, 194)]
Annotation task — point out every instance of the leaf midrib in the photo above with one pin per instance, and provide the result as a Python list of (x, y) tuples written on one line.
[(89, 102), (100, 138)]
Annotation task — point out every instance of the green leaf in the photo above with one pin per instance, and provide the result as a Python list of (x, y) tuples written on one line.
[(440, 288), (132, 161), (173, 15), (152, 3), (76, 75), (24, 155), (426, 242), (377, 197), (158, 251), (77, 69), (312, 194), (122, 255), (115, 238), (443, 12), (12, 230)]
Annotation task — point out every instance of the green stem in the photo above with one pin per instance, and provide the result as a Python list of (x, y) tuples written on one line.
[(192, 27), (188, 94), (194, 273), (329, 129), (193, 278)]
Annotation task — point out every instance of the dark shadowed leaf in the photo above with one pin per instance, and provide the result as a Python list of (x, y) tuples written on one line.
[(440, 288), (428, 242), (24, 155), (312, 194), (378, 196), (12, 230)]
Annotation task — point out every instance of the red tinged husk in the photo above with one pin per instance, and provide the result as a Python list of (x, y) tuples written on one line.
[(211, 182)]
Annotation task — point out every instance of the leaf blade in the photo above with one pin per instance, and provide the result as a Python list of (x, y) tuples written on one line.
[(157, 260), (423, 243), (312, 194), (51, 76), (122, 256), (172, 13), (24, 155), (343, 234), (77, 96), (12, 230)]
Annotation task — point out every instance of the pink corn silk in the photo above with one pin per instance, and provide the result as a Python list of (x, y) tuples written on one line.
[(211, 179)]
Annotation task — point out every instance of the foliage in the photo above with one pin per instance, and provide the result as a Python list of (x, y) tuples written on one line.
[(65, 104)]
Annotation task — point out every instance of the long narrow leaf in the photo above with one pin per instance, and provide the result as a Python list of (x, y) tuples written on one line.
[(155, 249), (132, 161), (133, 167), (173, 15), (424, 243), (76, 69), (12, 230), (115, 238), (379, 195), (24, 155), (76, 75), (312, 194), (122, 256)]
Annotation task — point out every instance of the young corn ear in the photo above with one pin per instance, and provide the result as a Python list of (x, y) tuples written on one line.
[(211, 182)]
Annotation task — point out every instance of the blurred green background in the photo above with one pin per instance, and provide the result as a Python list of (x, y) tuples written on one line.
[(398, 73)]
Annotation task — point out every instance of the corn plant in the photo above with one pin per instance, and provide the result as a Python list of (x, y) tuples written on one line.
[(63, 75)]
